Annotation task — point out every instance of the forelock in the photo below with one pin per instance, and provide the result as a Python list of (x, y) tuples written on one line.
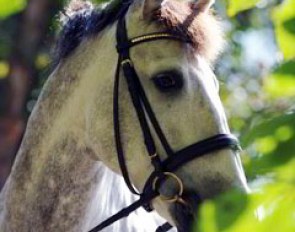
[(202, 28)]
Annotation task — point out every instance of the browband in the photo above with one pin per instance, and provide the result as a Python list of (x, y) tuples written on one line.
[(148, 38)]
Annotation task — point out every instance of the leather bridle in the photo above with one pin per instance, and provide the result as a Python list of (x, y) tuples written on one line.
[(163, 169)]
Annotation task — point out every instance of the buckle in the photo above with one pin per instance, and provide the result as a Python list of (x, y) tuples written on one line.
[(127, 61)]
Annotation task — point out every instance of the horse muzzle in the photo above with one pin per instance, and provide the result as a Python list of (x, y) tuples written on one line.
[(184, 211)]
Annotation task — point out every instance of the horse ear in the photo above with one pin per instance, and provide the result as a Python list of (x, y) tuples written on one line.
[(203, 5), (149, 7)]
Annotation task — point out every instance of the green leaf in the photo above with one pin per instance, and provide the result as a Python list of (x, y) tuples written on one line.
[(10, 7), (273, 141), (269, 128), (281, 83), (4, 69), (235, 6), (289, 25), (283, 18), (269, 210)]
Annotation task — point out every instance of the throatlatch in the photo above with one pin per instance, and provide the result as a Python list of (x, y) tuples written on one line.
[(163, 169)]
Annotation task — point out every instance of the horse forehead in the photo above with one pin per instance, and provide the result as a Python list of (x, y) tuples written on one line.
[(156, 57), (159, 50)]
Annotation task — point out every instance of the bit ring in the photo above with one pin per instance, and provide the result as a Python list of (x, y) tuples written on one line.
[(176, 197)]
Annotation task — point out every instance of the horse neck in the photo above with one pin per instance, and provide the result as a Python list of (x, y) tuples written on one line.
[(54, 176)]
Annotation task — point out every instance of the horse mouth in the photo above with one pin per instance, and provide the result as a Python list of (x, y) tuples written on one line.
[(184, 212)]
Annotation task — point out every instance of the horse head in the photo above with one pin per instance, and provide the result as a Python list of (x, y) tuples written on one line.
[(183, 92)]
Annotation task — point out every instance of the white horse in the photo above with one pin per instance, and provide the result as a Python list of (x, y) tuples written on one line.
[(59, 181)]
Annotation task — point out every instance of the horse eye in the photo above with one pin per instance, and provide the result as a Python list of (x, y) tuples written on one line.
[(168, 81)]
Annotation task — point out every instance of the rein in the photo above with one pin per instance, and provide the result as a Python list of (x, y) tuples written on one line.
[(163, 169)]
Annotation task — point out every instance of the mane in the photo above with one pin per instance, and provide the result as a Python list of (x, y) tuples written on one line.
[(81, 20)]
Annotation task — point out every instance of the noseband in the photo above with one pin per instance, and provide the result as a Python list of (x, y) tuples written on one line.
[(163, 169)]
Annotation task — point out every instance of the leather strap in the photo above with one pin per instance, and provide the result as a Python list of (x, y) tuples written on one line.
[(202, 148), (125, 212), (117, 131)]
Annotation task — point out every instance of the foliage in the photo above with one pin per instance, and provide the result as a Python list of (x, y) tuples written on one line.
[(235, 6), (11, 7), (267, 134), (269, 210), (284, 21), (282, 81), (271, 207), (4, 69)]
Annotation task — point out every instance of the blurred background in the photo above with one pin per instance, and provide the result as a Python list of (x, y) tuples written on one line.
[(257, 76)]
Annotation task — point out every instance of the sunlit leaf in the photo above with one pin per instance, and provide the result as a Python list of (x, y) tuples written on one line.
[(286, 172), (235, 6), (281, 83), (269, 210), (284, 133), (42, 61), (269, 127), (273, 141), (4, 69), (283, 18), (266, 144), (10, 7)]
